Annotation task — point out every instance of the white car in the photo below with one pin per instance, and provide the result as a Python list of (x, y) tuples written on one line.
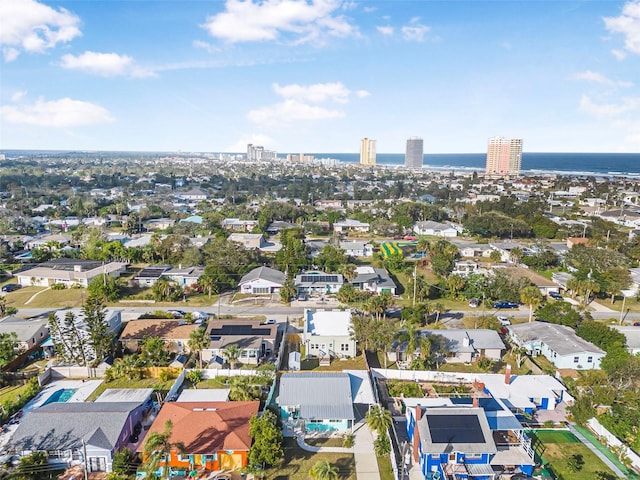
[(503, 320)]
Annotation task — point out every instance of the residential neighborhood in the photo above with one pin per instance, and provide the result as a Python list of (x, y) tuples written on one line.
[(218, 319)]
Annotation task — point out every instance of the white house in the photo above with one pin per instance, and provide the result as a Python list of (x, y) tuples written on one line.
[(354, 248), (314, 282), (350, 225), (558, 343), (69, 272), (632, 335), (374, 280), (262, 280), (327, 334), (435, 228), (237, 225), (248, 241)]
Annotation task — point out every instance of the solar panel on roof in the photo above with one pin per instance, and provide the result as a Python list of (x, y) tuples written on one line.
[(319, 278), (455, 429), (239, 330)]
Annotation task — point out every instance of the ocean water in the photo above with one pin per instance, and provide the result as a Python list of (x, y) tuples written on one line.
[(596, 164)]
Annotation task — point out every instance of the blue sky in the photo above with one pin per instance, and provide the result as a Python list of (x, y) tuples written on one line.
[(319, 75)]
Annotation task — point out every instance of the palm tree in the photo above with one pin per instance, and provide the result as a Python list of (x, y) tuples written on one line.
[(516, 254), (197, 341), (323, 470), (3, 305), (438, 308), (532, 297), (379, 419), (232, 353), (157, 448)]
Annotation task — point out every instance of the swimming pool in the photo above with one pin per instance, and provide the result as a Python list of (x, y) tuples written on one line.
[(60, 396)]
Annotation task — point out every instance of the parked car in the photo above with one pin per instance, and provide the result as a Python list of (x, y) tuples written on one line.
[(271, 321), (503, 320), (177, 313), (506, 305), (555, 295), (11, 287), (303, 297)]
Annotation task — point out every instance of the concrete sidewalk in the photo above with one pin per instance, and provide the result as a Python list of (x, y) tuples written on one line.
[(597, 452)]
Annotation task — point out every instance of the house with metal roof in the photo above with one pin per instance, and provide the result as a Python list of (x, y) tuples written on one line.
[(262, 281), (315, 282), (316, 401), (632, 335), (68, 431), (355, 248), (558, 343), (215, 435), (326, 334), (375, 280), (434, 228)]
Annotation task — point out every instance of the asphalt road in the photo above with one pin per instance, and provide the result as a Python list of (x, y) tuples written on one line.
[(452, 319)]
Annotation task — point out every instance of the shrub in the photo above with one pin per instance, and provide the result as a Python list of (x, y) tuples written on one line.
[(58, 286)]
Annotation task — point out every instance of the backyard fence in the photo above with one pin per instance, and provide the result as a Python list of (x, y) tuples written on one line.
[(612, 441)]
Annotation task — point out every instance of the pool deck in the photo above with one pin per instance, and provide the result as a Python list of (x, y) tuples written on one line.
[(83, 390)]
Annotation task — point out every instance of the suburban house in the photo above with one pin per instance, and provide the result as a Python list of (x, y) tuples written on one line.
[(277, 226), (49, 242), (193, 195), (471, 438), (631, 333), (316, 401), (255, 340), (148, 276), (315, 246), (455, 346), (237, 225), (350, 226), (184, 276), (69, 431), (465, 268), (435, 228), (249, 241), (545, 285), (327, 334), (504, 249), (354, 248), (261, 281), (174, 333), (314, 282), (474, 251), (65, 337), (30, 334), (375, 280), (558, 343), (215, 435), (159, 223), (68, 272)]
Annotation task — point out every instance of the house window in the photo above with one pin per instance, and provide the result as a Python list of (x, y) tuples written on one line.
[(576, 359), (472, 456), (344, 347), (589, 359)]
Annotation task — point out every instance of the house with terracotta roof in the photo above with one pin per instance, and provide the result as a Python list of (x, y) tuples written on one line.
[(173, 332), (215, 435)]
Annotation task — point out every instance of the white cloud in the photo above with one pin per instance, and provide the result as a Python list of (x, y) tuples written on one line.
[(369, 9), (619, 54), (205, 46), (316, 93), (628, 24), (300, 102), (255, 139), (595, 77), (289, 111), (61, 113), (33, 27), (267, 20), (17, 96), (104, 64), (414, 31), (608, 109), (385, 30)]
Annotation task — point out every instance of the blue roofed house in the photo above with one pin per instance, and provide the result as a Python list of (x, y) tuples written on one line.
[(316, 401)]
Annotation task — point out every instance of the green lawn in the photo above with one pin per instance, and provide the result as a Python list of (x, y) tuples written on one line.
[(556, 447), (69, 297), (10, 394), (337, 365), (608, 453), (298, 462), (17, 298), (384, 466)]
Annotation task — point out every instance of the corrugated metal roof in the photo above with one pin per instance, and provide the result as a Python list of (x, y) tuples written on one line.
[(320, 395)]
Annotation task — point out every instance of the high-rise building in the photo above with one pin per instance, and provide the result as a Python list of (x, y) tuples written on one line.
[(504, 156), (257, 153), (414, 155), (367, 152)]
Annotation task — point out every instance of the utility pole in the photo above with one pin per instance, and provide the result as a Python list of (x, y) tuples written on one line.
[(84, 456), (415, 282)]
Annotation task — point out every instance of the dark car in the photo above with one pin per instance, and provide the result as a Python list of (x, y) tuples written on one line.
[(11, 287), (506, 305), (555, 295)]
